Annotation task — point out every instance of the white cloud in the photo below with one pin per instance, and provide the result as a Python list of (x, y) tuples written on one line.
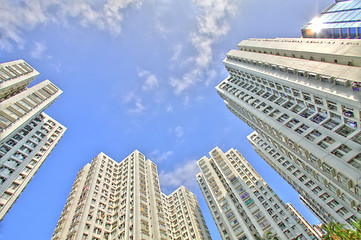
[(19, 16), (38, 50), (158, 157), (131, 99), (151, 81), (178, 132), (177, 49), (189, 79), (184, 174), (213, 22), (169, 108), (138, 107), (199, 98)]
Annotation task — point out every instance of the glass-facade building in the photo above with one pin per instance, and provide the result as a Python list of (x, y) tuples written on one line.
[(340, 20)]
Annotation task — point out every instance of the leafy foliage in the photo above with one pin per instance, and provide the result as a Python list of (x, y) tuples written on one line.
[(337, 231)]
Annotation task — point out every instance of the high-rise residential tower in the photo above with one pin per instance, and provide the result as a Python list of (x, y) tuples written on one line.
[(302, 98), (314, 231), (340, 20), (241, 202), (111, 200), (27, 135)]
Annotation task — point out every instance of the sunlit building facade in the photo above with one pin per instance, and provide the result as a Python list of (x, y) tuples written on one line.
[(111, 200), (242, 204), (312, 231), (340, 20), (27, 135), (302, 98)]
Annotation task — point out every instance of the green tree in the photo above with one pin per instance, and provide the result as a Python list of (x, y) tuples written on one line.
[(338, 231), (268, 235)]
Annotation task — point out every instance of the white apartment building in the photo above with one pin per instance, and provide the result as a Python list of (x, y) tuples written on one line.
[(313, 231), (242, 204), (27, 135), (111, 200), (302, 98)]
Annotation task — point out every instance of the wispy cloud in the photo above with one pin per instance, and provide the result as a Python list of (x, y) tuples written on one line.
[(213, 22), (150, 80), (178, 132), (184, 174), (176, 49), (157, 156), (19, 16), (169, 108), (38, 50), (138, 108), (134, 103)]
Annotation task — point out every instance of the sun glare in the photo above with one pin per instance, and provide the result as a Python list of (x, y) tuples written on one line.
[(316, 25)]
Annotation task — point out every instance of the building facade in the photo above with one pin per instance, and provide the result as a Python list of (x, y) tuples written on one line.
[(301, 96), (111, 200), (340, 20), (27, 135), (312, 231), (242, 204)]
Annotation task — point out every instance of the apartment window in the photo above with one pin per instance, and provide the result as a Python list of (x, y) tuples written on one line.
[(326, 79), (345, 130), (283, 118), (316, 190), (333, 203), (310, 183), (324, 196), (230, 215), (341, 150), (326, 142), (356, 161), (282, 226), (332, 105), (311, 136), (318, 118), (327, 168), (357, 138), (330, 124), (318, 100), (306, 96), (264, 223), (306, 113)]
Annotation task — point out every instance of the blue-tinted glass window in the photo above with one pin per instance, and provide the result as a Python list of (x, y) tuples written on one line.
[(336, 32), (344, 33), (354, 3), (329, 33), (358, 5), (322, 18), (338, 6), (352, 32), (335, 16), (341, 16), (346, 6), (353, 14), (328, 16), (357, 17)]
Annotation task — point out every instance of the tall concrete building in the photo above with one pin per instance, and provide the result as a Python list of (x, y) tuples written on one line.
[(242, 204), (302, 98), (111, 200), (340, 20), (27, 135), (313, 231)]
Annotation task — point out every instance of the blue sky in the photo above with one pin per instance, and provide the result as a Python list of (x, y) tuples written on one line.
[(138, 74)]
